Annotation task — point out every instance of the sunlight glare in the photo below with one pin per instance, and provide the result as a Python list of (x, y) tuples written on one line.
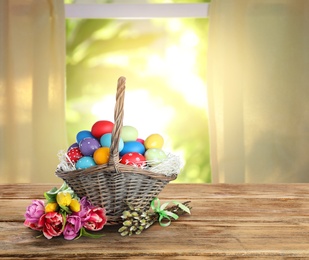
[(189, 39), (174, 25), (118, 60), (193, 89), (146, 113), (155, 64), (178, 67)]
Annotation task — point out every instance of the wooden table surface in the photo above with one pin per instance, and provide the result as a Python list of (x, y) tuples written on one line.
[(227, 221)]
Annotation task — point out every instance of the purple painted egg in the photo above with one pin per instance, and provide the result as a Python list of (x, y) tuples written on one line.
[(88, 146), (73, 146)]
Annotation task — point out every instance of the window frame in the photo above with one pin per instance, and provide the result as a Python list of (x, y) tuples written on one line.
[(136, 11)]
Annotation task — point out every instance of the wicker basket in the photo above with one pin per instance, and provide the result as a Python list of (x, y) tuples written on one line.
[(115, 185)]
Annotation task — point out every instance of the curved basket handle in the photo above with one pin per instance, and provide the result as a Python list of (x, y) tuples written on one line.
[(118, 121)]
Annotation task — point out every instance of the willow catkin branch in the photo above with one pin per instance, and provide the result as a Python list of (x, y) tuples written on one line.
[(136, 220)]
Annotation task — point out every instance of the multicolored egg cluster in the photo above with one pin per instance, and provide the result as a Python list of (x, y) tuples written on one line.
[(92, 147)]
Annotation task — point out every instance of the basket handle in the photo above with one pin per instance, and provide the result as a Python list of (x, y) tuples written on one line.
[(118, 121)]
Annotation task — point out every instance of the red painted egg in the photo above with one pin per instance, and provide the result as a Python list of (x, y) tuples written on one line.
[(74, 154), (101, 127), (133, 158)]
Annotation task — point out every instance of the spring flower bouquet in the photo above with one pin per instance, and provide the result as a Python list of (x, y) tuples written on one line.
[(65, 214)]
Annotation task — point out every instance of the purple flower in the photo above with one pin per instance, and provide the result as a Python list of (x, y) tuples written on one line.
[(33, 214), (72, 227), (85, 206)]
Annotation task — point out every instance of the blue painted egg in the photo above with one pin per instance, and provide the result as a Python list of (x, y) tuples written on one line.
[(132, 146), (106, 141), (82, 135), (85, 162)]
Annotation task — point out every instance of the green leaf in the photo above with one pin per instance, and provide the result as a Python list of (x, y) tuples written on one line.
[(51, 194), (46, 196), (64, 217), (65, 209), (84, 233), (49, 198), (80, 234), (53, 191)]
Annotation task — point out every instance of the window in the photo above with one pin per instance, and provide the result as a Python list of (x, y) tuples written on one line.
[(162, 53)]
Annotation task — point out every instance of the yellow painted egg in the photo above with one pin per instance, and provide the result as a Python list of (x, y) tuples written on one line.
[(154, 141)]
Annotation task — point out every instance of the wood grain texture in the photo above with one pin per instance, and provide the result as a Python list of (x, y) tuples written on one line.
[(227, 222)]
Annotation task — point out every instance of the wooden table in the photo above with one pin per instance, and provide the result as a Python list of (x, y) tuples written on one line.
[(227, 221)]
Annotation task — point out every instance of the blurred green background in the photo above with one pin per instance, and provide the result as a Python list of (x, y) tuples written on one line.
[(164, 61)]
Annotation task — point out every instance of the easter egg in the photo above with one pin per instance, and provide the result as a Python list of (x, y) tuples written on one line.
[(133, 158), (154, 141), (154, 156), (74, 154), (73, 145), (82, 135), (106, 141), (128, 133), (101, 155), (132, 146), (88, 145), (85, 162), (140, 140), (101, 127)]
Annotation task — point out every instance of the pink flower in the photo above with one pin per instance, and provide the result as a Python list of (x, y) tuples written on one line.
[(85, 206), (51, 224), (72, 227), (33, 214), (96, 219), (33, 226)]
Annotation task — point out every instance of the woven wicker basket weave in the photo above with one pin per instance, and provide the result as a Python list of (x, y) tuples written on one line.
[(115, 185)]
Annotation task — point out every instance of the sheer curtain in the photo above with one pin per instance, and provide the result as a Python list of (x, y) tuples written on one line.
[(258, 76), (32, 93)]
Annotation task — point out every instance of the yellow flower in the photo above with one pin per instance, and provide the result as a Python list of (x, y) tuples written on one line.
[(75, 205), (64, 198), (51, 207)]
